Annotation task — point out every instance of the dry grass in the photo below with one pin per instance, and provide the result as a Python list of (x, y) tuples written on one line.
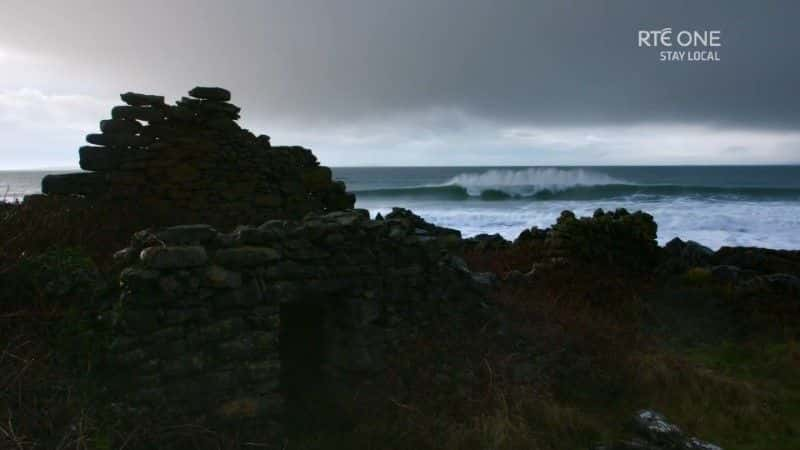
[(619, 367), (569, 364), (40, 404)]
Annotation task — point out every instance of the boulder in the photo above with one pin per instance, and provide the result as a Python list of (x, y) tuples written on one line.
[(689, 253), (211, 93), (411, 221)]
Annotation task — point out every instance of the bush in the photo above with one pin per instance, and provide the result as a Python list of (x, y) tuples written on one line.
[(48, 278)]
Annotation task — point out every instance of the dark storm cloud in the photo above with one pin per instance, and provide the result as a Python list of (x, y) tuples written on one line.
[(555, 62)]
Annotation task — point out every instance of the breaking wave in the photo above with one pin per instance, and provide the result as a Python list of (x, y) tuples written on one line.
[(566, 184)]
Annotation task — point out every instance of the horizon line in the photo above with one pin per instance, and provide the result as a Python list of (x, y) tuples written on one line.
[(379, 166)]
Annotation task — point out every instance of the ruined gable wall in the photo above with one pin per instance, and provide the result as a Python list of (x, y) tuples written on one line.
[(191, 163)]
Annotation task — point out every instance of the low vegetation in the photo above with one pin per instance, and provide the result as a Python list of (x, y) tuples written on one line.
[(577, 348)]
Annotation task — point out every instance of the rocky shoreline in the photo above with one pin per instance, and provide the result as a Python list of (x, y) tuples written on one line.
[(626, 239)]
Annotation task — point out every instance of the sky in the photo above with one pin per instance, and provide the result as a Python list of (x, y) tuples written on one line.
[(417, 82)]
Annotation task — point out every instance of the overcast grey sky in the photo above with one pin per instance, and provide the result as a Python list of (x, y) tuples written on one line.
[(416, 82)]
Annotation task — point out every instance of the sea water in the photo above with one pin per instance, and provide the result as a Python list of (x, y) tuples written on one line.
[(714, 205)]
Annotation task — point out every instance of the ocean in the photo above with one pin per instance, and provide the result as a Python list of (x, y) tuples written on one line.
[(714, 205)]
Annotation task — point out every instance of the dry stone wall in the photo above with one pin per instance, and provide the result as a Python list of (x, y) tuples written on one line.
[(191, 162), (281, 318)]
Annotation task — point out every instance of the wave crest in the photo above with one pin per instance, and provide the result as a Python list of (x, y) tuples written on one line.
[(527, 182), (568, 184)]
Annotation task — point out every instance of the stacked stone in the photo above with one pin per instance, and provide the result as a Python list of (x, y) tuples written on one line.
[(123, 132), (200, 312), (191, 162)]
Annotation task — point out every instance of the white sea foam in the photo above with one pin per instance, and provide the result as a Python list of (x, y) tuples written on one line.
[(712, 223), (530, 181)]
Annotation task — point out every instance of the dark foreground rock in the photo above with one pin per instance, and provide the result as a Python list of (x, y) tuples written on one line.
[(762, 260), (747, 272), (680, 255), (423, 229), (623, 239)]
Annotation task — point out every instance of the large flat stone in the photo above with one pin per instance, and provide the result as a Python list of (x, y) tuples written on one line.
[(103, 159), (136, 99), (97, 158), (120, 126), (187, 234), (119, 140), (83, 183), (211, 93)]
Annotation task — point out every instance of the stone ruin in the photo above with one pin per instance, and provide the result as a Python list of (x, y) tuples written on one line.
[(285, 301), (192, 163), (287, 319)]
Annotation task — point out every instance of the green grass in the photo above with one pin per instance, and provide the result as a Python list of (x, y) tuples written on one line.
[(772, 368)]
